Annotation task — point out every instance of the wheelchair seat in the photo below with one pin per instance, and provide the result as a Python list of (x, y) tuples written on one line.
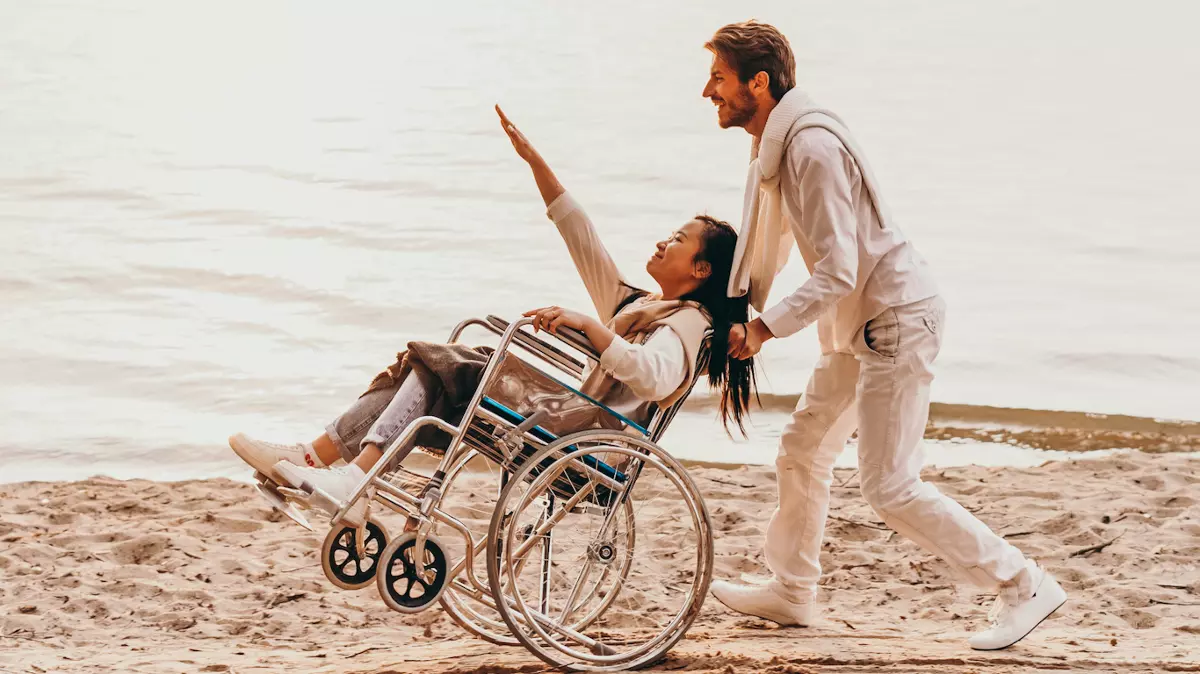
[(571, 480)]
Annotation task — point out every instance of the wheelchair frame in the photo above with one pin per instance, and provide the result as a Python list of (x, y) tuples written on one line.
[(470, 438)]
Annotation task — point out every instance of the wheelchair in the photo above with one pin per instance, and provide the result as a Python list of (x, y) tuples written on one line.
[(550, 522)]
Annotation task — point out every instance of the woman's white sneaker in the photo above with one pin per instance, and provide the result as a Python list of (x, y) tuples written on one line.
[(1012, 621), (262, 456), (337, 483)]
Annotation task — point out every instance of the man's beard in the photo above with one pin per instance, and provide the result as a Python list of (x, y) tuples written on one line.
[(741, 109)]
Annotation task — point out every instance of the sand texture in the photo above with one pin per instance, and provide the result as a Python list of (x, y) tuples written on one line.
[(200, 576)]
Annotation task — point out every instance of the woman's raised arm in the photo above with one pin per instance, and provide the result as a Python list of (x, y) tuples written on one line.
[(600, 275), (547, 182)]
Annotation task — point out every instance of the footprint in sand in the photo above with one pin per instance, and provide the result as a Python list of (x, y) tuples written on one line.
[(140, 550), (1137, 618)]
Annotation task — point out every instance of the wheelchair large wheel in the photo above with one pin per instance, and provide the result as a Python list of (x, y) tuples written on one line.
[(593, 604)]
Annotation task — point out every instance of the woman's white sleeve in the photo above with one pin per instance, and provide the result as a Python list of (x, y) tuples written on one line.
[(653, 370), (596, 267)]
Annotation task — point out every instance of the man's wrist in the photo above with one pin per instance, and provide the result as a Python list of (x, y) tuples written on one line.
[(760, 329)]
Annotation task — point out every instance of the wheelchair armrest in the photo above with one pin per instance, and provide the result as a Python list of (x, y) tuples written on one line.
[(571, 336), (578, 340)]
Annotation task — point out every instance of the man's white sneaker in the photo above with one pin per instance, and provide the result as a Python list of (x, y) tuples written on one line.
[(1012, 620), (337, 483), (263, 456), (762, 601)]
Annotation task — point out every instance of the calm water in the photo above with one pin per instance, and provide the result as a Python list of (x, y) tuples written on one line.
[(228, 216)]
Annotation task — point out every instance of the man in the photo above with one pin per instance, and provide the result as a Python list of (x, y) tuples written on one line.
[(879, 319)]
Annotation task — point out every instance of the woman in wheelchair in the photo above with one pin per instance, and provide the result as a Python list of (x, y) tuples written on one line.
[(651, 345)]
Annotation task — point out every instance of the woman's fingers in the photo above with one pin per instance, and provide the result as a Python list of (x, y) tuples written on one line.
[(503, 117), (509, 127), (511, 131), (520, 143), (504, 122), (535, 313), (543, 316)]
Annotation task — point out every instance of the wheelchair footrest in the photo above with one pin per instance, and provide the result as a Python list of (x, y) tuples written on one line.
[(271, 495)]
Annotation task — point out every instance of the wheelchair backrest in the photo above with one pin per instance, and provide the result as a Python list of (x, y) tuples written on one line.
[(564, 361)]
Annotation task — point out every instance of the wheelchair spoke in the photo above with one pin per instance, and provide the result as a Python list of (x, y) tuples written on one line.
[(573, 596)]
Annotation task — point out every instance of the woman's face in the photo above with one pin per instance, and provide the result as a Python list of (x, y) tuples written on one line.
[(674, 263)]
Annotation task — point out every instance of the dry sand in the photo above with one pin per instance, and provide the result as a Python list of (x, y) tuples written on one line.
[(200, 576)]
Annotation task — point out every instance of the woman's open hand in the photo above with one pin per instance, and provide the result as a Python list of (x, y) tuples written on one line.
[(520, 143), (552, 318), (548, 185)]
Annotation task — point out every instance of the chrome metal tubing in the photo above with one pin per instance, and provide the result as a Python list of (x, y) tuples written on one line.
[(388, 455)]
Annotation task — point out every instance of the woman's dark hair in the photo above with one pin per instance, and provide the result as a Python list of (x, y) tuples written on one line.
[(735, 378)]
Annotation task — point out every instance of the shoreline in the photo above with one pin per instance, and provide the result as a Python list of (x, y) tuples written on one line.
[(1058, 430), (945, 414), (955, 435)]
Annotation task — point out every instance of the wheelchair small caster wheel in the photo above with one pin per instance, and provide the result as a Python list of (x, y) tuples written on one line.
[(405, 585), (340, 555)]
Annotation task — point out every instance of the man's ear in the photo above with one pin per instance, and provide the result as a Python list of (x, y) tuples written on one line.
[(702, 269), (760, 82)]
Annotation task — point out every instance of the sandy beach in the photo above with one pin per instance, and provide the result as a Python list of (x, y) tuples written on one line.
[(105, 575)]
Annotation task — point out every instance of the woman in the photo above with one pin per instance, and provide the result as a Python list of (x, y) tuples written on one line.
[(652, 345)]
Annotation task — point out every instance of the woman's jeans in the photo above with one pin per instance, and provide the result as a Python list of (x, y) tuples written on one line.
[(379, 417)]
